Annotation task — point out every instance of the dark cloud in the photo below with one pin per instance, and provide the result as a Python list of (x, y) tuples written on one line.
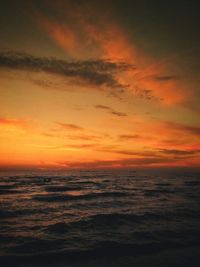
[(122, 163), (145, 93), (78, 136), (83, 146), (184, 128), (129, 152), (92, 72), (84, 137), (95, 74), (160, 153), (102, 107), (69, 126), (119, 114), (177, 152), (111, 110), (165, 78), (129, 136)]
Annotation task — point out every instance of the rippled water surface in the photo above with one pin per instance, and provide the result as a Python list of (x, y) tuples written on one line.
[(97, 211)]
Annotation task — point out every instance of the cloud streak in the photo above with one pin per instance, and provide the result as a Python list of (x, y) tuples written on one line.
[(92, 29), (195, 130), (13, 122), (180, 153), (111, 110), (129, 136), (165, 78), (121, 163), (68, 126), (96, 73)]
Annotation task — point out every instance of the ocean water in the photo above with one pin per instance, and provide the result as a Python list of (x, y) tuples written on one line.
[(97, 213)]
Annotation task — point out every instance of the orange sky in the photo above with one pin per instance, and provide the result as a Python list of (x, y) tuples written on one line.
[(81, 92)]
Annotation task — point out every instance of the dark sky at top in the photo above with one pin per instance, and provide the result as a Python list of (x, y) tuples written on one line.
[(161, 27)]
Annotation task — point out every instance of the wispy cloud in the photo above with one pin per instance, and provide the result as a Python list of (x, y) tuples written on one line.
[(13, 122), (120, 163), (89, 29), (129, 152), (165, 78), (111, 110), (96, 73), (129, 136), (195, 130), (180, 153), (69, 126)]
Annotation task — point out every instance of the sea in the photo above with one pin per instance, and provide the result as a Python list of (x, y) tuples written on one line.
[(75, 214)]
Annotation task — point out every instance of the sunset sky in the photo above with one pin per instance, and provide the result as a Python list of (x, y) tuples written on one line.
[(94, 84)]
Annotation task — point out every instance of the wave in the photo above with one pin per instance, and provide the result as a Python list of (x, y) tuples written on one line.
[(163, 184), (66, 197), (156, 192), (96, 214), (4, 214), (61, 188), (105, 221), (192, 183), (4, 191)]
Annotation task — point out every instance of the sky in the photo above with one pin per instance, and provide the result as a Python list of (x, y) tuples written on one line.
[(97, 84)]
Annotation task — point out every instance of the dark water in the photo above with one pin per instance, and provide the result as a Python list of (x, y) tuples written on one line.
[(85, 213)]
